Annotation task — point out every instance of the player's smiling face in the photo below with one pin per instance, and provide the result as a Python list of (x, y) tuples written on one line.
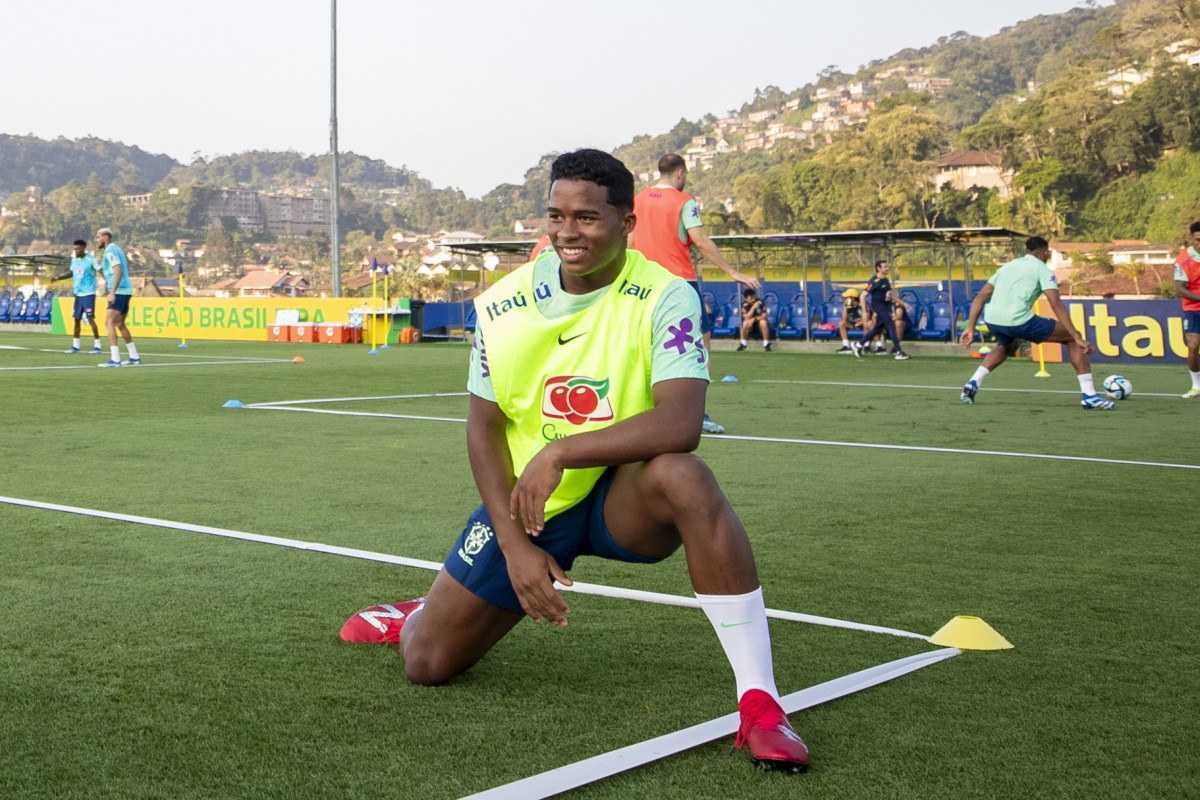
[(587, 232), (1196, 241)]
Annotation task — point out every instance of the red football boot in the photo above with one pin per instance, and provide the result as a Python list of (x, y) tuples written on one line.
[(379, 624), (766, 731)]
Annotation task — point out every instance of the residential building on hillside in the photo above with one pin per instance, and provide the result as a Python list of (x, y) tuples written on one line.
[(530, 225), (280, 214), (1121, 82), (1185, 51), (287, 215), (762, 116), (265, 282), (139, 201), (967, 168), (1142, 253)]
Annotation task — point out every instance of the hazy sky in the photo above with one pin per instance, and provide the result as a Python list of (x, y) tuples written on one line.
[(468, 94)]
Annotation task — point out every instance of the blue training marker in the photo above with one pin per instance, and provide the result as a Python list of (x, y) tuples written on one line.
[(729, 379), (233, 404)]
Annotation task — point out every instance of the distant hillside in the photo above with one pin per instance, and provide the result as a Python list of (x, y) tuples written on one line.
[(262, 169), (30, 161), (1078, 117)]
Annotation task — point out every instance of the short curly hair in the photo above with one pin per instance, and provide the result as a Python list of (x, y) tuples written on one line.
[(600, 168)]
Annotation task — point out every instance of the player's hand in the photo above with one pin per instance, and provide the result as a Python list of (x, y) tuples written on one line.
[(112, 297), (532, 572), (749, 280), (527, 503), (967, 337), (1084, 344)]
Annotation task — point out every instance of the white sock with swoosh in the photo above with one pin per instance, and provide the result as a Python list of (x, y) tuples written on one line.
[(740, 621)]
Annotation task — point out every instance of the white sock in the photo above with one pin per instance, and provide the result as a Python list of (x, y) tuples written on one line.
[(740, 621), (980, 374), (115, 352), (75, 343), (96, 344), (745, 343), (1086, 385), (845, 342), (132, 348), (1195, 379)]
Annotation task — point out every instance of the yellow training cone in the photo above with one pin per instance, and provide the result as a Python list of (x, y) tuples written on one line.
[(970, 633)]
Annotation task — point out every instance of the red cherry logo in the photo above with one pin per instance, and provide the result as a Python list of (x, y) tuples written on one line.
[(558, 399), (575, 419), (583, 400)]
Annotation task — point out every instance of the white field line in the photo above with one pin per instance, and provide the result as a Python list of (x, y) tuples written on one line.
[(578, 587), (318, 400), (149, 366), (911, 448), (589, 770), (984, 390), (954, 450), (158, 354), (380, 414)]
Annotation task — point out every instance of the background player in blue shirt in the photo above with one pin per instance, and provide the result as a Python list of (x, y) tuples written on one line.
[(83, 283)]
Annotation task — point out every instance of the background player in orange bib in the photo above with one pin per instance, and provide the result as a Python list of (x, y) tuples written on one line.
[(1187, 286), (668, 226)]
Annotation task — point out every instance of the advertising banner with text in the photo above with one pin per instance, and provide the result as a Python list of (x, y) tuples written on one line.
[(1131, 331), (245, 318)]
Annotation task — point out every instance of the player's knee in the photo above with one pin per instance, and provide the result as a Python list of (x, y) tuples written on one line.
[(678, 475), (426, 666)]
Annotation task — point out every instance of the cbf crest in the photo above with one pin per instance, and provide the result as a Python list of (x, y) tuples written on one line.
[(477, 538)]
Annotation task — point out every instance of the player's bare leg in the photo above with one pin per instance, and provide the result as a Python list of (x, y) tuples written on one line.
[(453, 630), (1192, 341)]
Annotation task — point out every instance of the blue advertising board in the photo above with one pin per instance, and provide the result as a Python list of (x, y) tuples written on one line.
[(1131, 331)]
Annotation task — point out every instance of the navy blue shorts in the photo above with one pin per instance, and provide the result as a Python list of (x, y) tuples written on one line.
[(120, 303), (1191, 322), (1036, 329), (85, 304), (706, 314), (476, 562)]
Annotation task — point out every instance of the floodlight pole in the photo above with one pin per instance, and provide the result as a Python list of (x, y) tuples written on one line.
[(334, 184)]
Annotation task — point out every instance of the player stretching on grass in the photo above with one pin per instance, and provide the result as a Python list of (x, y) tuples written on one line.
[(120, 291), (587, 389), (1010, 295), (83, 283), (1187, 286)]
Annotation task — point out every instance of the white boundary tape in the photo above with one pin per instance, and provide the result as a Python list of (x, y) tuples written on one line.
[(579, 587), (572, 776), (912, 448), (603, 766), (989, 389)]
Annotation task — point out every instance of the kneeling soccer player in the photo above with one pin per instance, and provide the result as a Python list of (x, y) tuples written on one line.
[(1009, 296), (587, 385)]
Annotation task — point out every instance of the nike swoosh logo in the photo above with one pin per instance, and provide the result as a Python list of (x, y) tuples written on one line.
[(561, 340), (735, 624)]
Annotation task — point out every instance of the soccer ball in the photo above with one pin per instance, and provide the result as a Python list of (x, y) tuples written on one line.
[(1118, 387)]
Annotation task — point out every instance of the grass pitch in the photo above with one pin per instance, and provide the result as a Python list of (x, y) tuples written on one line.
[(138, 662)]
